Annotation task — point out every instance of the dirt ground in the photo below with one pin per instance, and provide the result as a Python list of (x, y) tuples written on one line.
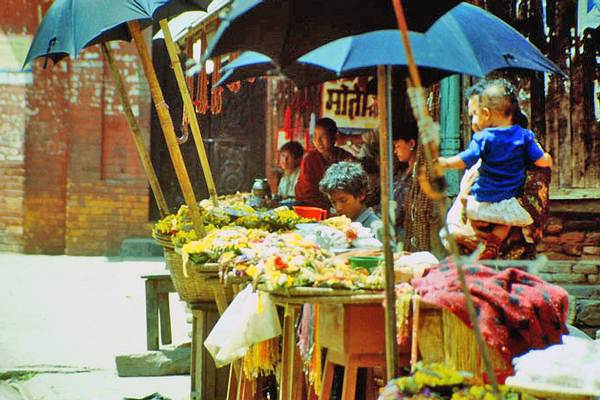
[(65, 318)]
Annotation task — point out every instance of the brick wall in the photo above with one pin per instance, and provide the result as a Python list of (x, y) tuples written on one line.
[(101, 215), (71, 179), (13, 120), (572, 244)]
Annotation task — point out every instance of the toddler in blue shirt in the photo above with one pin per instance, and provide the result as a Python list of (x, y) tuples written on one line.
[(505, 150)]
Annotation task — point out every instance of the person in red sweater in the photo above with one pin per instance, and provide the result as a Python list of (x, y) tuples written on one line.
[(315, 163)]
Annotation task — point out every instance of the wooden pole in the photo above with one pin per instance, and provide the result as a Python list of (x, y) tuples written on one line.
[(188, 108), (383, 106), (166, 124), (138, 139), (431, 154)]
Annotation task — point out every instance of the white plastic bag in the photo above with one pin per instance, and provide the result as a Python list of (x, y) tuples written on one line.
[(250, 318)]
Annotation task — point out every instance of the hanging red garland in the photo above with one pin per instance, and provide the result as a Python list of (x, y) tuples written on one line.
[(201, 103), (189, 53), (216, 92)]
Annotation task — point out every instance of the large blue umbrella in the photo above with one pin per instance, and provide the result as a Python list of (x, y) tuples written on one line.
[(286, 29), (71, 25), (352, 56), (491, 43), (466, 40)]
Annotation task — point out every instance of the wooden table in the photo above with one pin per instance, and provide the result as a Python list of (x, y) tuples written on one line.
[(291, 300)]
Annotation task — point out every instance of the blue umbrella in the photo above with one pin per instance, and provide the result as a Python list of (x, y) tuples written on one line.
[(466, 40), (489, 41), (71, 25), (353, 56), (286, 29)]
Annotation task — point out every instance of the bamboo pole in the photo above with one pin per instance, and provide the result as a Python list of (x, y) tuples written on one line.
[(166, 124), (188, 109), (384, 106), (138, 139), (431, 154)]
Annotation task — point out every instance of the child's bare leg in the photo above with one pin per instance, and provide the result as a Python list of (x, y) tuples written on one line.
[(501, 231), (494, 241)]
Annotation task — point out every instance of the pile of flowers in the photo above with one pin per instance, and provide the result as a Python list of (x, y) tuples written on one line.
[(277, 260), (438, 381), (230, 212), (221, 244), (285, 260), (281, 260)]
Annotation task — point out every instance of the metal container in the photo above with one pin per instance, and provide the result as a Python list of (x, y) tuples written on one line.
[(261, 188)]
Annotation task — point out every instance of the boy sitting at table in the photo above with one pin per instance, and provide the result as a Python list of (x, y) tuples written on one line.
[(346, 185)]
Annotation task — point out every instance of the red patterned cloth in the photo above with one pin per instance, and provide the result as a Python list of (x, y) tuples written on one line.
[(517, 311)]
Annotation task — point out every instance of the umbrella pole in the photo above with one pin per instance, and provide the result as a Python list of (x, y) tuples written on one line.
[(383, 101), (431, 154), (166, 123), (138, 139), (188, 108)]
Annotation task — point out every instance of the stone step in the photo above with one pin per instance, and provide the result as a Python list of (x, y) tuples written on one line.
[(140, 248), (155, 363)]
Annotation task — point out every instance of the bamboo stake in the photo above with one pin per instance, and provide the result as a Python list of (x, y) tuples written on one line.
[(138, 139), (431, 154), (166, 124), (188, 108), (383, 105)]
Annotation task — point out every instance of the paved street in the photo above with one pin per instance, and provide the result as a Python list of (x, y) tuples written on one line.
[(65, 315)]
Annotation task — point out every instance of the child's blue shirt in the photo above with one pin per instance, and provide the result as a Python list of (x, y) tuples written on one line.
[(504, 153)]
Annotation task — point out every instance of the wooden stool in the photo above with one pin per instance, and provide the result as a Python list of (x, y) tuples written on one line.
[(208, 382), (351, 363), (158, 287)]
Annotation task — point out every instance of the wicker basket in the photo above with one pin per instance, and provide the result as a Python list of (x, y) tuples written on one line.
[(197, 287), (163, 240)]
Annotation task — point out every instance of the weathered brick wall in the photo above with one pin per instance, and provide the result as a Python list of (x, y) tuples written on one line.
[(13, 120), (101, 214), (572, 244), (71, 181)]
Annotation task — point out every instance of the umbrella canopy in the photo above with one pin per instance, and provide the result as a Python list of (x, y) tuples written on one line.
[(71, 25), (489, 41), (354, 56), (454, 44), (286, 29)]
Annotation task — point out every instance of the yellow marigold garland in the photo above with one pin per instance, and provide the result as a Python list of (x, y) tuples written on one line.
[(262, 359)]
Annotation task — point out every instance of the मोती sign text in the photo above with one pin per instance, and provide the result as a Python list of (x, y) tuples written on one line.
[(349, 104)]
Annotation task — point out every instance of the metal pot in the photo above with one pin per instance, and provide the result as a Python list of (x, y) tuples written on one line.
[(261, 188)]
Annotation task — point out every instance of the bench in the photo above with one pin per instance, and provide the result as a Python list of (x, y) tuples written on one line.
[(158, 287)]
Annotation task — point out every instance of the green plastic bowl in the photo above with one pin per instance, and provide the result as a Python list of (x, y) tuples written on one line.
[(369, 263)]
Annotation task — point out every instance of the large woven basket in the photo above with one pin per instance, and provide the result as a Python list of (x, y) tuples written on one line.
[(197, 287)]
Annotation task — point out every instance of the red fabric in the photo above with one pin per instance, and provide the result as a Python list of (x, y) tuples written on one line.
[(312, 169), (517, 311)]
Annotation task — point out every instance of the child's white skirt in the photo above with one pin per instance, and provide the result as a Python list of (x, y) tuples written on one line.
[(505, 212)]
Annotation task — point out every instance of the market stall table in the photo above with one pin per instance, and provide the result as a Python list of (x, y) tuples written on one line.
[(355, 305)]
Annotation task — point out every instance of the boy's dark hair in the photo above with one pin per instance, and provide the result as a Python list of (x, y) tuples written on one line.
[(294, 148), (328, 125), (347, 177), (500, 95)]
